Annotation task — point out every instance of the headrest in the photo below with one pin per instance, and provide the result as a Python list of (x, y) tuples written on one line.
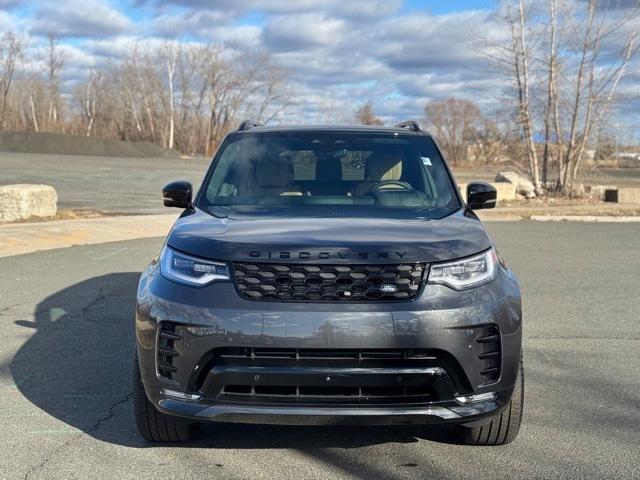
[(274, 171), (383, 166), (329, 170)]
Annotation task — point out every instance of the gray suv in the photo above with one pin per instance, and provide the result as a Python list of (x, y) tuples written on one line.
[(329, 274)]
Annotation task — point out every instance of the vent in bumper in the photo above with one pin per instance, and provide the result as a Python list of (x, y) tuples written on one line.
[(490, 354), (313, 356), (166, 352), (328, 283), (328, 376), (422, 393)]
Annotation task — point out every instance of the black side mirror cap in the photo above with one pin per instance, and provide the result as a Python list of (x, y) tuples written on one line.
[(177, 194), (481, 195)]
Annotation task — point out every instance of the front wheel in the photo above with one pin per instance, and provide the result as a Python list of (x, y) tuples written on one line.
[(155, 426), (503, 428)]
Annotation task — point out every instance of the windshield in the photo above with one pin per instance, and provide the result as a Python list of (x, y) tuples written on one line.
[(309, 170)]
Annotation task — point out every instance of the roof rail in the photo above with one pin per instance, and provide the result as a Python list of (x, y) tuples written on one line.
[(410, 124), (247, 124)]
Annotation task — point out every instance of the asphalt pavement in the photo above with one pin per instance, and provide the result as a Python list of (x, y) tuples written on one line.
[(67, 341), (102, 184)]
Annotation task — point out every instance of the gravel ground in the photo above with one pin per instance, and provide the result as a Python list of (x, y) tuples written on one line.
[(65, 360)]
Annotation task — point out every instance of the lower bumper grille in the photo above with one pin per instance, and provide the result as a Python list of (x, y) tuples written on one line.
[(327, 376), (423, 393), (328, 283), (307, 356)]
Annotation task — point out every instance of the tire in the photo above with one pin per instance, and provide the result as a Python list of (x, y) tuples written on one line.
[(155, 426), (503, 428)]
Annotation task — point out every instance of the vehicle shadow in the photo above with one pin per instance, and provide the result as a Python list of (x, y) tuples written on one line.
[(77, 368)]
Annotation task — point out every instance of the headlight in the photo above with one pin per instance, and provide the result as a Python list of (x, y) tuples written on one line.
[(192, 271), (466, 273)]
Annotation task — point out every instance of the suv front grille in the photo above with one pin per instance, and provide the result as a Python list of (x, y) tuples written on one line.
[(329, 283)]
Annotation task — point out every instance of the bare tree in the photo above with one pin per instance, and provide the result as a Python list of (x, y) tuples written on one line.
[(365, 116), (551, 114), (595, 84), (10, 50), (456, 123), (580, 70), (91, 99), (54, 60), (521, 58), (169, 55)]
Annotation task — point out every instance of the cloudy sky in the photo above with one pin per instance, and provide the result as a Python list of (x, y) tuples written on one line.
[(398, 54)]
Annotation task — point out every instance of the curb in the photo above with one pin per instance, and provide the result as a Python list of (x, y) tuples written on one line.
[(585, 218)]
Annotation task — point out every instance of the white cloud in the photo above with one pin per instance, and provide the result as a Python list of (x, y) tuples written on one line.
[(10, 22), (350, 8), (116, 48), (193, 23), (304, 30), (79, 18)]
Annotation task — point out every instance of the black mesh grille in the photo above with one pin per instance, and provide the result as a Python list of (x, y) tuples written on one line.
[(167, 336), (489, 341), (330, 283), (321, 376)]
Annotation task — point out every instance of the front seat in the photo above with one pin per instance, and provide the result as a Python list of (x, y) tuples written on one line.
[(380, 166), (274, 176), (329, 177)]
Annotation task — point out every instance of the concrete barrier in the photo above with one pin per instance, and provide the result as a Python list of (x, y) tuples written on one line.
[(629, 195), (22, 201), (599, 191), (506, 191), (523, 185), (622, 195)]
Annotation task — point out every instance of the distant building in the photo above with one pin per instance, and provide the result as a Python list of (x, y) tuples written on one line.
[(628, 155), (626, 159)]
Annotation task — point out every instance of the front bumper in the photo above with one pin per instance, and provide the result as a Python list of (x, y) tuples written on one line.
[(444, 412), (443, 325)]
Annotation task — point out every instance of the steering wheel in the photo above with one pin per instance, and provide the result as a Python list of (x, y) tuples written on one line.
[(379, 185)]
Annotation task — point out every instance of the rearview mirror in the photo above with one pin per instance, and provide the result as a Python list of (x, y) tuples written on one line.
[(177, 194), (481, 195)]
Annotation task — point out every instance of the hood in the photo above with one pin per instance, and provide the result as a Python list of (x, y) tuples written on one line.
[(328, 239)]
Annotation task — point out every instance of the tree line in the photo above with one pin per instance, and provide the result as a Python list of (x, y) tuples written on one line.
[(185, 96)]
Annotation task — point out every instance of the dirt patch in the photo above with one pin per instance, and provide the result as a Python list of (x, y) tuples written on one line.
[(63, 214), (562, 206), (58, 144)]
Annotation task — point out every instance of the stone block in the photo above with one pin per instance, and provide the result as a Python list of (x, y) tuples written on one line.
[(629, 195), (22, 201)]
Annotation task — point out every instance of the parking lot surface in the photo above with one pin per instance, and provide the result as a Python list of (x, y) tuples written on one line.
[(102, 184), (66, 351)]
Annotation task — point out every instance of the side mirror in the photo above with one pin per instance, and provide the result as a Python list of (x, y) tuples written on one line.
[(481, 195), (177, 194)]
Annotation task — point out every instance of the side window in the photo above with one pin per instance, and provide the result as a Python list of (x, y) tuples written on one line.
[(219, 185), (304, 164)]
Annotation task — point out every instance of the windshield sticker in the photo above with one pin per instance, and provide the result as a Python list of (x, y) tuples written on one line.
[(426, 161)]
